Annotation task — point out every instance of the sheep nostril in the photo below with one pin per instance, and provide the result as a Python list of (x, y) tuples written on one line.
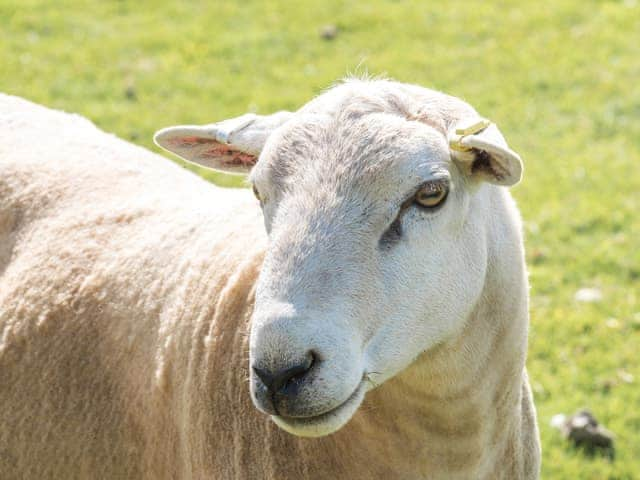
[(278, 381), (265, 377)]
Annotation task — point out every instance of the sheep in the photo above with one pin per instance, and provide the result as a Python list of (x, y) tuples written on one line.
[(365, 317)]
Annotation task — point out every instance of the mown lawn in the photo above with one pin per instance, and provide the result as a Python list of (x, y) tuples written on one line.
[(561, 78)]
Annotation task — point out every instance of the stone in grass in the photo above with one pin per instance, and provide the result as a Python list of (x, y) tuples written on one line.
[(588, 295), (585, 431), (329, 32), (130, 93)]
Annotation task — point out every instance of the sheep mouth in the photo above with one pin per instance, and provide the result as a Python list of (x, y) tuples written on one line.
[(326, 422)]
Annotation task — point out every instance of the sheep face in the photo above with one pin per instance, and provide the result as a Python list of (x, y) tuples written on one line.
[(360, 276), (376, 247)]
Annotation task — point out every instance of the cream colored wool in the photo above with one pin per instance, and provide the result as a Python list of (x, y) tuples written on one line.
[(127, 288)]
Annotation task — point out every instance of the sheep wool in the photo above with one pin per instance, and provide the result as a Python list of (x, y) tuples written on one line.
[(127, 293)]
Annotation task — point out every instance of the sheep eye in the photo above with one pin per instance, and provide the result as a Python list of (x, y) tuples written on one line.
[(431, 195), (256, 193)]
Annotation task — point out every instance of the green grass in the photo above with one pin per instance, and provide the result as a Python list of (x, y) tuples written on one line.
[(561, 79)]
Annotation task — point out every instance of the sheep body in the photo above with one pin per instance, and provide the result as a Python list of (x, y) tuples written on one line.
[(112, 261), (126, 292)]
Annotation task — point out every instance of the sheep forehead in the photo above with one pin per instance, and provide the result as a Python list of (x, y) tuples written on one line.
[(350, 137), (389, 96)]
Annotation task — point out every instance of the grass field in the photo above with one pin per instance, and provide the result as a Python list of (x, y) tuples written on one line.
[(562, 80)]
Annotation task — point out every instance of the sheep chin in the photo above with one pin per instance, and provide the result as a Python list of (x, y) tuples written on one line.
[(326, 423)]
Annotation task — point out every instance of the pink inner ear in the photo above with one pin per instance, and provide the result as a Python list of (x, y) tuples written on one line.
[(240, 158), (216, 151), (229, 156), (188, 141)]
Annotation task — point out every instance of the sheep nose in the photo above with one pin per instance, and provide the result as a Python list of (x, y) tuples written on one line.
[(281, 381)]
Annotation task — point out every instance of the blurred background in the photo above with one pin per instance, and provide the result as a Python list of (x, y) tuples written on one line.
[(562, 79)]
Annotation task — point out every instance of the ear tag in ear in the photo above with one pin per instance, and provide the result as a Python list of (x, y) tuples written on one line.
[(480, 149), (461, 131)]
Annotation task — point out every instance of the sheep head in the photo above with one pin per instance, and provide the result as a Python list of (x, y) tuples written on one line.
[(375, 198)]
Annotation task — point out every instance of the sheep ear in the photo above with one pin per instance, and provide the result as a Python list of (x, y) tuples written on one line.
[(230, 146), (482, 152)]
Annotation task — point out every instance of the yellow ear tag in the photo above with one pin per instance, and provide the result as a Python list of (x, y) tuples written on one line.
[(477, 126)]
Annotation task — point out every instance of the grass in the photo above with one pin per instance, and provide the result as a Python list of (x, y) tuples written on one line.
[(562, 80)]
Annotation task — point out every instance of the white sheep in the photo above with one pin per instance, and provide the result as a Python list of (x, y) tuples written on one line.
[(390, 315)]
